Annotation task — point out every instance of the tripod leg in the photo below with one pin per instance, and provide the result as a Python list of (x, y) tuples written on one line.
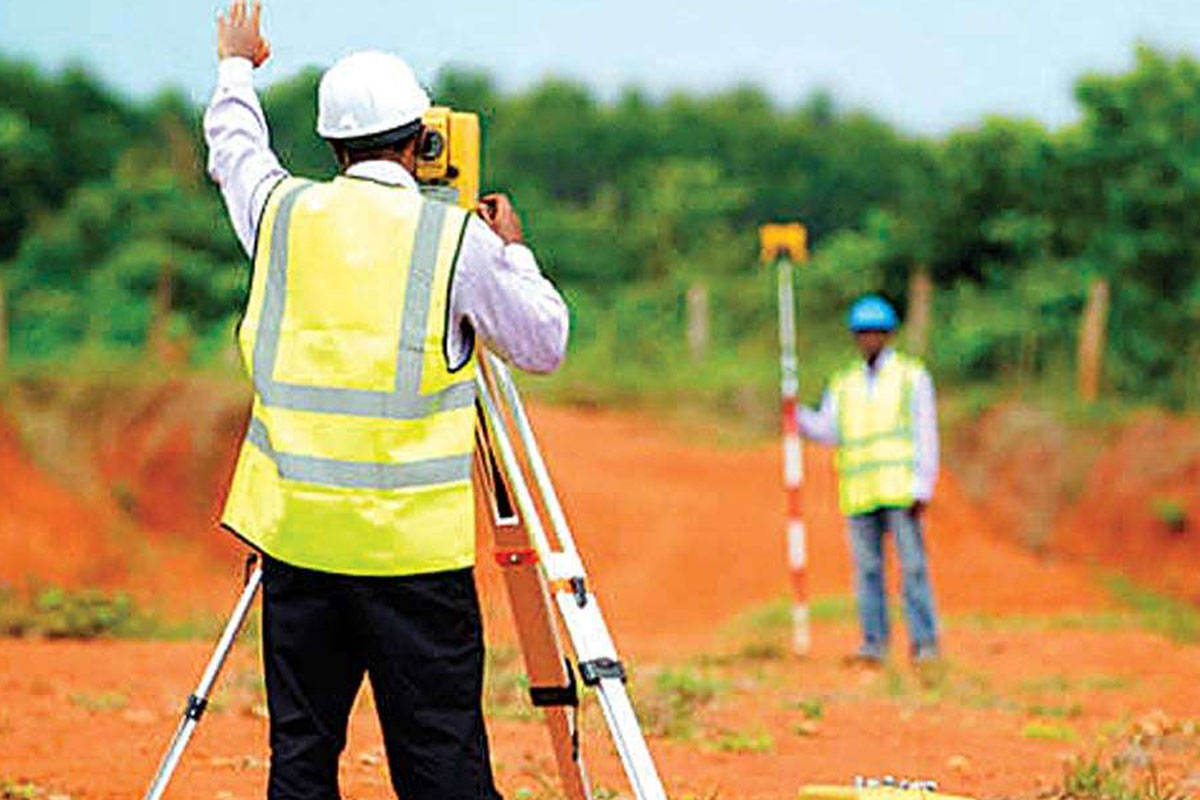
[(198, 700), (552, 684), (599, 666)]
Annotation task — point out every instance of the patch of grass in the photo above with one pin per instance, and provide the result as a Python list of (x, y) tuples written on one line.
[(812, 708), (744, 742), (943, 683), (1045, 684), (1093, 779), (776, 616), (1049, 731), (762, 650), (125, 496), (19, 790), (1175, 619), (1107, 683), (1056, 685), (506, 686), (60, 613), (1055, 710), (895, 683), (1170, 512), (668, 706), (104, 701), (764, 633), (63, 614)]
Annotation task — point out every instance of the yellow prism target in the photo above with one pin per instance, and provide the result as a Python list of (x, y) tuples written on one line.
[(783, 240)]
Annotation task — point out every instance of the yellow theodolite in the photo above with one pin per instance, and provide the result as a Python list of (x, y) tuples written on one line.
[(448, 158)]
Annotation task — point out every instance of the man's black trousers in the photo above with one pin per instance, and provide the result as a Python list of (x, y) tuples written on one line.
[(418, 638)]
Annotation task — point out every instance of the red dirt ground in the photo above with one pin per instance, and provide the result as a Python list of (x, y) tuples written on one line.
[(680, 538)]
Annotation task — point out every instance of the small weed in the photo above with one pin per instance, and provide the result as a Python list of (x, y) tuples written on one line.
[(811, 707), (1170, 512), (1074, 621), (895, 684), (942, 682), (1092, 779), (125, 496), (11, 790), (60, 613), (762, 650), (744, 742), (1049, 731), (1156, 612), (805, 729), (1055, 711), (765, 631), (63, 614), (1107, 683), (104, 701), (669, 706), (1045, 684)]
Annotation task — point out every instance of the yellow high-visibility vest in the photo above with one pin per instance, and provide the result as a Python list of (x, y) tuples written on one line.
[(876, 453), (357, 459)]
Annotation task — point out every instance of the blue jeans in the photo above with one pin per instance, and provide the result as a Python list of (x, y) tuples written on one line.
[(866, 545)]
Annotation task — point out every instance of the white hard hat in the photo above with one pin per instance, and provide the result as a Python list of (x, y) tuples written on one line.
[(368, 93)]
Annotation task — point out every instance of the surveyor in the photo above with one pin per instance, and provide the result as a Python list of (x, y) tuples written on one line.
[(879, 411), (354, 480)]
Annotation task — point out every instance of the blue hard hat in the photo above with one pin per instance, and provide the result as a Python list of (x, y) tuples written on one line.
[(872, 313)]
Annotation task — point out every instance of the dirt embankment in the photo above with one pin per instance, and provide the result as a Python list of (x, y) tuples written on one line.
[(121, 486), (1124, 497), (117, 484)]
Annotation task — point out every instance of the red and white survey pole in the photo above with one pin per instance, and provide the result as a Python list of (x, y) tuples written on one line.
[(786, 246)]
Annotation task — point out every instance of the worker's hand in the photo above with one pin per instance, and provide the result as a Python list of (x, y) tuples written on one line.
[(918, 509), (238, 35), (498, 213)]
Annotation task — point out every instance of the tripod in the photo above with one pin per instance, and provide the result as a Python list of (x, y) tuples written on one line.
[(547, 588)]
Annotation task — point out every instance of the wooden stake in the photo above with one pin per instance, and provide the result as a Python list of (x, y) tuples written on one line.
[(1092, 331), (3, 329), (158, 337), (920, 302), (697, 321)]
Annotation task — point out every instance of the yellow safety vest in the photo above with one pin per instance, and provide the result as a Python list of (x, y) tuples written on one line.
[(357, 459), (876, 452)]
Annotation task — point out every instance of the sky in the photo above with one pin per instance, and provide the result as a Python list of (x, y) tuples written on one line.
[(928, 66)]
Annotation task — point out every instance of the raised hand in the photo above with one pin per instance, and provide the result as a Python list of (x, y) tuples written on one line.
[(238, 34)]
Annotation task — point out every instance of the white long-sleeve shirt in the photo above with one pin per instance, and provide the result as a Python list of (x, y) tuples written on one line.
[(498, 293), (821, 425)]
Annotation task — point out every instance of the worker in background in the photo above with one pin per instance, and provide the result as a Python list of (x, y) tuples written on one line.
[(879, 411), (354, 481)]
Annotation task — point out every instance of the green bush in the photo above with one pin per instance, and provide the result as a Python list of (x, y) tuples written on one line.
[(60, 613), (81, 615), (1170, 512)]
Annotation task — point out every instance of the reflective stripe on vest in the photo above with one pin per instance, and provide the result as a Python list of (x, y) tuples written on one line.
[(876, 452), (358, 455)]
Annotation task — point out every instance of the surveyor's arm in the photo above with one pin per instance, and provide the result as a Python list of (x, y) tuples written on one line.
[(925, 438), (820, 425), (499, 292), (235, 129)]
